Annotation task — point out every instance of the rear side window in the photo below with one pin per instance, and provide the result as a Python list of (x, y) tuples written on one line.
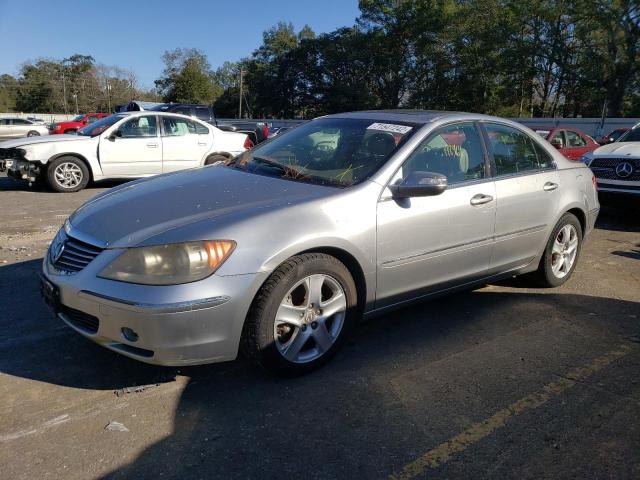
[(19, 121), (574, 140), (512, 150), (545, 160), (201, 129), (177, 127)]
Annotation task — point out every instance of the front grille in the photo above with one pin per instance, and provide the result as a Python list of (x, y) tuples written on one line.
[(613, 162), (71, 255), (610, 174), (81, 320)]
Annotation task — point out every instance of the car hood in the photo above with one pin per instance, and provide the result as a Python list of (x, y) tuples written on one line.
[(619, 148), (131, 213), (21, 142)]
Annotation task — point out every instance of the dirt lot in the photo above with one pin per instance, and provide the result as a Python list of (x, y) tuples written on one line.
[(501, 382)]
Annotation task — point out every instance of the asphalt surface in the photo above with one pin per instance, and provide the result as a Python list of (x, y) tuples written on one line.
[(505, 381)]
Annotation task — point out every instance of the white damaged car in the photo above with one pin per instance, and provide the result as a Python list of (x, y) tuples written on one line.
[(125, 145)]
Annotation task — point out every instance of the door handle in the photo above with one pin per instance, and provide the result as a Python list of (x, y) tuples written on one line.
[(204, 144), (480, 199), (152, 144), (550, 186)]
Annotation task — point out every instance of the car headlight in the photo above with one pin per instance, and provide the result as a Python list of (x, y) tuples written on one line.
[(586, 159), (169, 264)]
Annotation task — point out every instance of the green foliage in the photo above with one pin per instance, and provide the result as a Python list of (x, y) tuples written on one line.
[(187, 78), (505, 57)]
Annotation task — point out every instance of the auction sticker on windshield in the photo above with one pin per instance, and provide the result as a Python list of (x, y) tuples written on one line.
[(389, 127)]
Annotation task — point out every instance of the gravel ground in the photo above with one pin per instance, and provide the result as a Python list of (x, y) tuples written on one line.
[(504, 381)]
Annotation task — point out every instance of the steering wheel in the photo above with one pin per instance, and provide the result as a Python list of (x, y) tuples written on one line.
[(322, 151)]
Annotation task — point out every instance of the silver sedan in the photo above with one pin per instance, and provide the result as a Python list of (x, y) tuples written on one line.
[(281, 251), (21, 127)]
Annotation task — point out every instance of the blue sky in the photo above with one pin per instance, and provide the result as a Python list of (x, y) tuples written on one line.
[(134, 34)]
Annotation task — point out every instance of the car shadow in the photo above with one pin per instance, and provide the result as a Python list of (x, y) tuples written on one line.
[(9, 185), (235, 421), (620, 216)]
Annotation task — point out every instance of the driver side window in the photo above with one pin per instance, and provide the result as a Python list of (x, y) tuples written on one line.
[(454, 151), (139, 127)]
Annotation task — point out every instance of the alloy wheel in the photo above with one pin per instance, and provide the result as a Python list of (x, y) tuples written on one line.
[(564, 251), (68, 175), (310, 318)]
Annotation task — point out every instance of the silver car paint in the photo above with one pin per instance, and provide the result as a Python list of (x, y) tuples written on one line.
[(272, 219)]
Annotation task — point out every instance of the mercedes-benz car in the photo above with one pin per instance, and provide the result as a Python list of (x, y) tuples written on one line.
[(617, 165), (124, 145), (283, 249)]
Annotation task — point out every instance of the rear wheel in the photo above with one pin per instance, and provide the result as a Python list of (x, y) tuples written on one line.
[(67, 174), (302, 315), (33, 133), (71, 130), (562, 252)]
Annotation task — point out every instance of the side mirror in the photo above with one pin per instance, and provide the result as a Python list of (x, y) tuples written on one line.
[(419, 184), (114, 135)]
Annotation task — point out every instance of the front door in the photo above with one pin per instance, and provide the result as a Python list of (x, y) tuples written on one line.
[(135, 150), (527, 194), (431, 243)]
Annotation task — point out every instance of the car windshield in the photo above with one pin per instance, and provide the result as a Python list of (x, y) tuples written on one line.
[(330, 151), (77, 118), (632, 135), (96, 128)]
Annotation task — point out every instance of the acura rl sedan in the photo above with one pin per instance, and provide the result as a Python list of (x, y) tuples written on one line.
[(281, 250)]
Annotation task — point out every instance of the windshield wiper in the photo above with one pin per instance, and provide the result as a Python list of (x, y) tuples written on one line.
[(287, 170)]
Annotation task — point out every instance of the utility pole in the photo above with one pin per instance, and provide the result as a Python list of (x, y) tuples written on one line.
[(108, 88), (240, 101), (64, 94)]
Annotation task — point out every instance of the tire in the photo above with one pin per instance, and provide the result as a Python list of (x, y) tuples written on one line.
[(67, 174), (561, 253), (292, 349), (71, 130), (33, 133), (213, 159)]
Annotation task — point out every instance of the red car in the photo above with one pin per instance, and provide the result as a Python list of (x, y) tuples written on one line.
[(570, 142), (76, 123)]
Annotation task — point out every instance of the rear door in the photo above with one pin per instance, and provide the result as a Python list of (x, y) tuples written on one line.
[(184, 143), (135, 151), (20, 127), (527, 195), (428, 244)]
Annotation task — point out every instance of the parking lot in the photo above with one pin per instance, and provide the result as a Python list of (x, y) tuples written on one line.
[(505, 381)]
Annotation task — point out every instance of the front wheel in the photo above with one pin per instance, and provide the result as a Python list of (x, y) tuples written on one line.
[(302, 315), (33, 133), (561, 253), (67, 174)]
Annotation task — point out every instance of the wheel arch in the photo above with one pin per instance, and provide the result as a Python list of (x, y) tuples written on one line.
[(213, 154), (352, 264), (75, 155), (581, 216)]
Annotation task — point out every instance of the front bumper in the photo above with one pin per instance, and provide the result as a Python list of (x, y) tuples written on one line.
[(176, 325)]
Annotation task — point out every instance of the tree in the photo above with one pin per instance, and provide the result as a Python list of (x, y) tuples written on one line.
[(187, 77)]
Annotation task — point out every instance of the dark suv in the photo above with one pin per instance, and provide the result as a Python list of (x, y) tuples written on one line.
[(201, 112), (256, 131)]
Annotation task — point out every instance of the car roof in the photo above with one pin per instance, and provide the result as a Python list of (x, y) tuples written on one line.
[(414, 116)]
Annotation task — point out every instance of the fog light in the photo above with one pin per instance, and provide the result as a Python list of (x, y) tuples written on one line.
[(129, 334)]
